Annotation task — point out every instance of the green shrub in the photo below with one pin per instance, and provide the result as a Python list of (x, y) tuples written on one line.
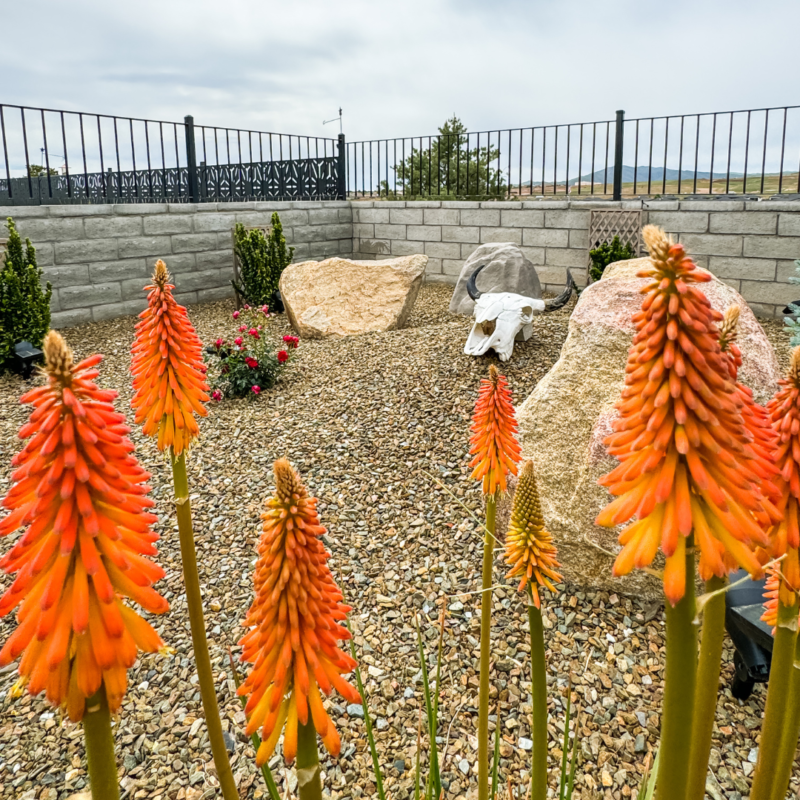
[(606, 254), (262, 259), (24, 305), (793, 322)]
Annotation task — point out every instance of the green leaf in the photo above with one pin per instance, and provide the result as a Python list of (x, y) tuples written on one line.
[(434, 781), (649, 779), (565, 746), (496, 756)]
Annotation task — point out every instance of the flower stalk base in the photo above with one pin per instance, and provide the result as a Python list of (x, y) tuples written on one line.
[(486, 632), (309, 781), (100, 748), (539, 708)]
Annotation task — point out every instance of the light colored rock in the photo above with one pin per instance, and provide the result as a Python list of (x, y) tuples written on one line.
[(507, 270), (568, 415), (340, 297)]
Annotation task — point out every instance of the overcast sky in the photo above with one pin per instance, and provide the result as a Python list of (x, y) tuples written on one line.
[(398, 68)]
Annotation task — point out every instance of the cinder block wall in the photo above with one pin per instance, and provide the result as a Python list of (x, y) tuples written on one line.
[(750, 245), (98, 257)]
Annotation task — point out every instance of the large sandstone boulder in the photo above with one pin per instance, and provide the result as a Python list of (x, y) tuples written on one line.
[(340, 297), (568, 415), (507, 270)]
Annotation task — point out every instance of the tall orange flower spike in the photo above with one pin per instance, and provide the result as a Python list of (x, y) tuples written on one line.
[(494, 428), (686, 461), (168, 372), (295, 616), (79, 493), (530, 551), (784, 411)]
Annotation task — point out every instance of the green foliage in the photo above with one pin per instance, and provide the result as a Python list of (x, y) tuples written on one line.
[(793, 323), (606, 254), (262, 259), (448, 169), (38, 171), (24, 305)]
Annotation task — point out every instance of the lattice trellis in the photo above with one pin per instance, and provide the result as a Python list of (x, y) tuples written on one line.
[(605, 225)]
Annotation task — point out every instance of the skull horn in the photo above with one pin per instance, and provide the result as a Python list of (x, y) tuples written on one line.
[(472, 289), (563, 298)]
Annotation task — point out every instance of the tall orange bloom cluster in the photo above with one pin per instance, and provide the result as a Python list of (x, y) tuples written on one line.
[(530, 551), (493, 441), (79, 493), (168, 372), (784, 411), (687, 464), (295, 616)]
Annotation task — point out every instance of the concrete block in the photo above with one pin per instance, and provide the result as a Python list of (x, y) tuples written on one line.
[(307, 233), (128, 308), (712, 244), (661, 205), (156, 246), (566, 219), (324, 249), (47, 229), (546, 204), (680, 221), (454, 233), (390, 231), (208, 223), (443, 249), (522, 218), (434, 266), (194, 242), (786, 270), (274, 205), (773, 205), (766, 292), (578, 239), (545, 237), (139, 209), (535, 255), (87, 250), (236, 207), (426, 233), (44, 254), (460, 204), (712, 205), (186, 298), (406, 216), (423, 203), (217, 293), (345, 214), (20, 212), (338, 230), (482, 217), (360, 203), (55, 303), (559, 257), (361, 229), (755, 269), (69, 319), (130, 268), (99, 210), (766, 311), (452, 266), (772, 246), (254, 219), (133, 288), (500, 204), (401, 247), (743, 222), (555, 276), (213, 259), (108, 227), (441, 216), (203, 279), (319, 216), (370, 215), (169, 223), (76, 275), (372, 246), (467, 250), (789, 224), (346, 247), (513, 235), (177, 264), (86, 296)]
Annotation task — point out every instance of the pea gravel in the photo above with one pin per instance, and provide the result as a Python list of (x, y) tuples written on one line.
[(373, 423)]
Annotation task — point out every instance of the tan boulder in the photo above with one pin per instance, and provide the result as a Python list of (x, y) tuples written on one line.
[(568, 415), (340, 297)]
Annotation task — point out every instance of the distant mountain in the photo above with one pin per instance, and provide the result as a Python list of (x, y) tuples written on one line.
[(641, 174)]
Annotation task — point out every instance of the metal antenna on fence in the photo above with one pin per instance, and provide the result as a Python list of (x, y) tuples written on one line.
[(326, 121)]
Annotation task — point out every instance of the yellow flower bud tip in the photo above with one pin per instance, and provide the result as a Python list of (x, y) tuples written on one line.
[(160, 274), (287, 481), (728, 328), (58, 358)]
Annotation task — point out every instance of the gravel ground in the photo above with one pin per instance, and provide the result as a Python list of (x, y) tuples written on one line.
[(368, 421)]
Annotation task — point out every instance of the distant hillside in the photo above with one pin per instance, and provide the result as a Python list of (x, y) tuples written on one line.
[(641, 175)]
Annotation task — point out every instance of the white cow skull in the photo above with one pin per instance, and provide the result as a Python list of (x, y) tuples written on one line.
[(501, 318)]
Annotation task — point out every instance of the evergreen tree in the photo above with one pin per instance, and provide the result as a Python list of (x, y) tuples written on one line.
[(24, 305), (262, 259), (449, 167)]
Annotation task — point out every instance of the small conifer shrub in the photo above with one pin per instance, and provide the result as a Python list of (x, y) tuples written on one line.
[(262, 259)]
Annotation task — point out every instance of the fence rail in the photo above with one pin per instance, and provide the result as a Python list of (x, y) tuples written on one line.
[(755, 151), (99, 158)]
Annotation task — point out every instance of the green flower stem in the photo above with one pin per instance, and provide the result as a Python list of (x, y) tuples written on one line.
[(539, 708), (705, 702), (309, 783), (775, 712), (486, 631), (194, 602), (679, 691), (791, 732), (100, 747)]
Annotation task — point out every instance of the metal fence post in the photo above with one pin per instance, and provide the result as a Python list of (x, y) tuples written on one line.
[(341, 170), (618, 136), (191, 159)]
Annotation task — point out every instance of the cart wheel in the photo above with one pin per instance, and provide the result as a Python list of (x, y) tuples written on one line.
[(742, 686)]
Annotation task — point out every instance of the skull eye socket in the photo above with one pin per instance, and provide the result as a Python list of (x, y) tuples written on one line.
[(527, 311), (488, 327)]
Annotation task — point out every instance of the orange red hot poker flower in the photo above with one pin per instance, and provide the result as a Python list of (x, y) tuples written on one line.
[(295, 620), (530, 551), (79, 494), (168, 371), (687, 461), (493, 441)]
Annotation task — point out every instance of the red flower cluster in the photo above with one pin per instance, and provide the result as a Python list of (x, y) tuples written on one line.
[(251, 362), (292, 341), (283, 356)]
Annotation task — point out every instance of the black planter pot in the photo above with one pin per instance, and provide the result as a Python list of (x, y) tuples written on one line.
[(276, 303), (25, 357)]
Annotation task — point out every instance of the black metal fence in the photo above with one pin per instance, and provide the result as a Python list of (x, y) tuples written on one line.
[(754, 151), (52, 156)]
